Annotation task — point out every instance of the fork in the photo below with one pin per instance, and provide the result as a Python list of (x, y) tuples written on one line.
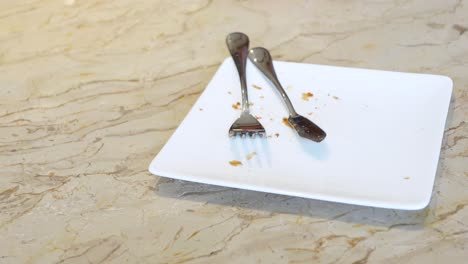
[(261, 58), (246, 124)]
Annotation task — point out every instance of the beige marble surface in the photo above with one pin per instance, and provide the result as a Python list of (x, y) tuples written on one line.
[(91, 90)]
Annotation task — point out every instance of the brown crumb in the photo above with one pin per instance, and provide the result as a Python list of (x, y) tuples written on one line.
[(51, 174), (307, 96), (235, 163), (310, 113), (256, 87), (236, 105), (250, 103), (285, 121), (258, 117), (406, 178), (276, 134), (269, 136), (335, 97), (261, 97), (201, 109), (251, 155), (229, 92), (460, 29)]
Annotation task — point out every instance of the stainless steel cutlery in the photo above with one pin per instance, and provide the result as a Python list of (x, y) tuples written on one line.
[(261, 58), (246, 124)]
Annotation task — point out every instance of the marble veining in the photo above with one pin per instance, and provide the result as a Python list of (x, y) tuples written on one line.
[(91, 90)]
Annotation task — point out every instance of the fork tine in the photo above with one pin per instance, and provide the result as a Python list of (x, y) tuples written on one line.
[(247, 126)]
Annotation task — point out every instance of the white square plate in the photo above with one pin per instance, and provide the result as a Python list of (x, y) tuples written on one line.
[(384, 132)]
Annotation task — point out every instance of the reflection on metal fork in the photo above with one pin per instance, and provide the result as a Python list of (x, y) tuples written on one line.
[(246, 124)]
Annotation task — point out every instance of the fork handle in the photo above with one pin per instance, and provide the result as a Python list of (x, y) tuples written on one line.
[(238, 45), (261, 58)]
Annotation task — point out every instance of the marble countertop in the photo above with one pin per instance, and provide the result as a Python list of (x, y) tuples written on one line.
[(91, 90)]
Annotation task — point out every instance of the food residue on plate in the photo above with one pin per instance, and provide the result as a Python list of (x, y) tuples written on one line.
[(258, 117), (407, 178), (277, 134), (250, 103), (235, 163), (307, 96), (201, 109), (285, 121), (335, 97), (261, 96), (310, 113), (256, 87), (289, 87), (229, 92), (236, 105), (251, 155)]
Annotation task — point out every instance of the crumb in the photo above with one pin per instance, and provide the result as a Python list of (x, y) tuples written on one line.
[(250, 104), (307, 96), (256, 87), (289, 87), (335, 97), (236, 105), (271, 119), (460, 29), (316, 107), (328, 94), (51, 174), (406, 178), (261, 97), (200, 109), (258, 117), (269, 136), (251, 155), (276, 134), (229, 92), (310, 113), (285, 121), (235, 163)]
